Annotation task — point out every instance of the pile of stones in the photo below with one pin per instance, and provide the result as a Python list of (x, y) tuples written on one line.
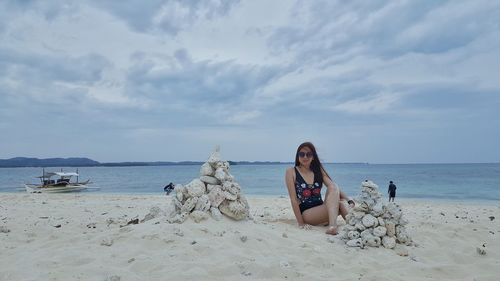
[(373, 223), (214, 193)]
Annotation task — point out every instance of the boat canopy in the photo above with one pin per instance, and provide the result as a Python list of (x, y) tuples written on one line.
[(61, 174)]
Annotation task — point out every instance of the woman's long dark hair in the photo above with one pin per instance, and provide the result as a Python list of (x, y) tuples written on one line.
[(316, 165)]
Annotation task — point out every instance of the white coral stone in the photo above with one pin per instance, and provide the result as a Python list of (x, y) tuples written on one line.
[(388, 242), (234, 209), (216, 214), (198, 216), (359, 226), (379, 231), (203, 203), (369, 220), (378, 209), (189, 204), (216, 196), (355, 243), (209, 180), (206, 170), (372, 241), (352, 234), (220, 174), (215, 156), (369, 184), (391, 228), (196, 188), (229, 196)]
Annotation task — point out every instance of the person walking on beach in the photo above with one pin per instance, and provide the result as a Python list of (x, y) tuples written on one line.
[(391, 191), (304, 182)]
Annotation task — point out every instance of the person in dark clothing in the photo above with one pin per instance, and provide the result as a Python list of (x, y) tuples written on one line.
[(391, 191), (169, 188)]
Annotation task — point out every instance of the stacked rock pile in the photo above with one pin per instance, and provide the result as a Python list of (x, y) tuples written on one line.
[(372, 223), (214, 193)]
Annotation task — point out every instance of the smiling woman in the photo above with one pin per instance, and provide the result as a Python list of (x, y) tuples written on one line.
[(304, 182)]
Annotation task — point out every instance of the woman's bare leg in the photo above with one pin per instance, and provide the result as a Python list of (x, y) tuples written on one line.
[(332, 205), (343, 210)]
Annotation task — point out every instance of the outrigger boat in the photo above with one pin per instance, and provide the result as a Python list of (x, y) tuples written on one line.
[(62, 184)]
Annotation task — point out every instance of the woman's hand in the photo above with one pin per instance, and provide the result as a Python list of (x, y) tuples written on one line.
[(305, 226)]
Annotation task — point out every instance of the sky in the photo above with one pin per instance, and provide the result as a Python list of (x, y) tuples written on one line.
[(163, 80)]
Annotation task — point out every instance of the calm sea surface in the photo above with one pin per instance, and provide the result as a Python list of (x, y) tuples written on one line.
[(437, 181)]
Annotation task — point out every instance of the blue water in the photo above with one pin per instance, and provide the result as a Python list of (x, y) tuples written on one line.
[(436, 181)]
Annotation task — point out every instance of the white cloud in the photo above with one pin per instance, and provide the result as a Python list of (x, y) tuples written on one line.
[(380, 103), (246, 71)]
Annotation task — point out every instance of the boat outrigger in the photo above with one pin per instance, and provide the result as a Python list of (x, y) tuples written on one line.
[(62, 184)]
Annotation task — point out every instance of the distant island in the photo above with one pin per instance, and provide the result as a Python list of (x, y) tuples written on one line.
[(19, 162)]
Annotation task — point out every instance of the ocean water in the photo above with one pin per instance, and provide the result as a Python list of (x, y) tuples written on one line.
[(433, 181)]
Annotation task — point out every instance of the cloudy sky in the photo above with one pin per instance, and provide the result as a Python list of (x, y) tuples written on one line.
[(366, 81)]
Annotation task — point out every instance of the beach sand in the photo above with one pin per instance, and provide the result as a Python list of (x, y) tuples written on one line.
[(85, 236)]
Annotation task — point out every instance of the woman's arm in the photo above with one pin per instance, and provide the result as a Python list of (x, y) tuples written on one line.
[(328, 181), (343, 195), (290, 184)]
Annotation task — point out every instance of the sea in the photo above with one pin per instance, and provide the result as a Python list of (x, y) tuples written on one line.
[(426, 181)]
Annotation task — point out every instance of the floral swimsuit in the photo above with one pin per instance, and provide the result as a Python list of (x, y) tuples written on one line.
[(308, 194)]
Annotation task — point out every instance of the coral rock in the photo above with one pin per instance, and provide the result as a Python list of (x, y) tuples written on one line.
[(379, 231), (355, 243), (229, 196), (206, 170), (234, 209), (178, 218), (378, 209), (215, 156), (216, 214), (369, 221), (402, 235), (209, 180), (391, 229), (372, 223), (196, 188), (179, 192), (198, 216), (388, 242), (352, 235), (359, 226), (203, 203), (215, 191), (372, 241), (216, 196), (220, 174), (212, 186), (189, 205)]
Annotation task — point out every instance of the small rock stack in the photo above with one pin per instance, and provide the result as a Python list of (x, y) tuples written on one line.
[(372, 223), (214, 193)]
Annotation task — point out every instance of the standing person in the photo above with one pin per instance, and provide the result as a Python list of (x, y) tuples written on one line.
[(391, 191), (304, 182)]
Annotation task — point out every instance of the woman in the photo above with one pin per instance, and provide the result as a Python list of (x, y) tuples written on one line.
[(304, 182)]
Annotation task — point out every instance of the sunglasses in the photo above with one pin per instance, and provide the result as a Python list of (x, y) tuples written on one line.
[(305, 154)]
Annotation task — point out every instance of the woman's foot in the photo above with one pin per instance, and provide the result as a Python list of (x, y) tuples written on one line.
[(332, 230)]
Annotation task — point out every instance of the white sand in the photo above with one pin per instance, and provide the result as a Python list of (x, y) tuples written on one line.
[(52, 237)]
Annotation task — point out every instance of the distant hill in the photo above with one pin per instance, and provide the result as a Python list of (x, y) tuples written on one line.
[(49, 162), (157, 163), (86, 162)]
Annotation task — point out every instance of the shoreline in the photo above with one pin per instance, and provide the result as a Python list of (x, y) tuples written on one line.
[(489, 202)]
